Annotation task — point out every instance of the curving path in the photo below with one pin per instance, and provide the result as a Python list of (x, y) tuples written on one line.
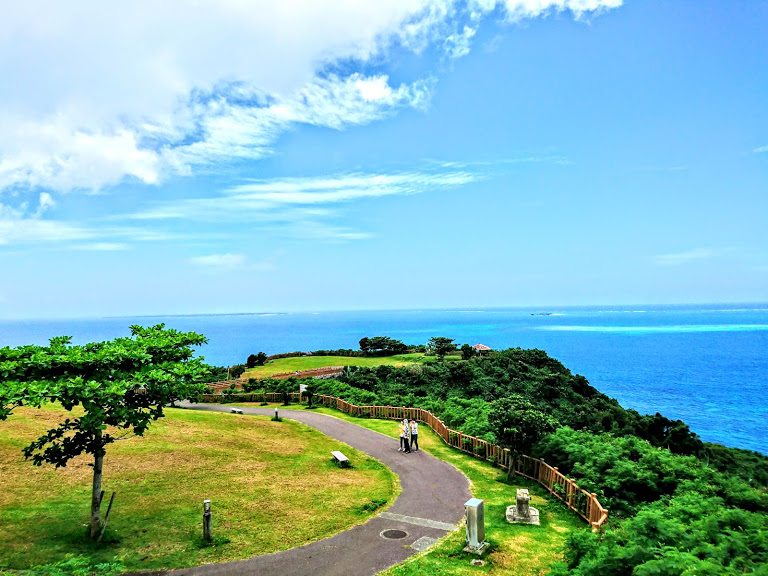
[(431, 504)]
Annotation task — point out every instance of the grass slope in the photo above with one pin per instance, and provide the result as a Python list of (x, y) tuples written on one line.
[(282, 365), (271, 485), (517, 550)]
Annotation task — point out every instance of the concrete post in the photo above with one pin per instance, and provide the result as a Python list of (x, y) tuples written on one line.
[(207, 528), (475, 515)]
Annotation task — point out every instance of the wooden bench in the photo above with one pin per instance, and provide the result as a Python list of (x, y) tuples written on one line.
[(236, 411), (340, 459)]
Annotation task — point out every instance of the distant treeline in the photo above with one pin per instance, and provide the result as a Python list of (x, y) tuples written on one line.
[(376, 346)]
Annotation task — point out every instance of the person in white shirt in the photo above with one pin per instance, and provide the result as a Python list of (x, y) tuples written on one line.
[(414, 435)]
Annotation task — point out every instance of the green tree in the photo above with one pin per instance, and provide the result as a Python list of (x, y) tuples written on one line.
[(441, 346), (121, 386), (518, 425), (236, 371), (467, 352), (381, 346), (256, 360)]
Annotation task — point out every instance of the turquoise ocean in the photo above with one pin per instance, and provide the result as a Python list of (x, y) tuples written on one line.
[(705, 364)]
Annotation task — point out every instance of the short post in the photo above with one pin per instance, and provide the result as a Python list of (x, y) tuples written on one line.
[(276, 416), (475, 515), (207, 530)]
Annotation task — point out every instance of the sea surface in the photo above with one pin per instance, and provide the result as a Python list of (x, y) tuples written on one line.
[(706, 365)]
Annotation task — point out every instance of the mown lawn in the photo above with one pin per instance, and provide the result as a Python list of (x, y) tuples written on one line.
[(517, 550), (282, 365), (271, 485)]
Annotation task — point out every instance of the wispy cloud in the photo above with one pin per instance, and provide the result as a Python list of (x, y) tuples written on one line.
[(16, 228), (517, 10), (761, 149), (220, 260), (458, 44), (24, 225), (100, 247), (274, 196), (676, 259)]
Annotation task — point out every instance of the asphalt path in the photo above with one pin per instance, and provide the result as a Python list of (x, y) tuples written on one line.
[(430, 504)]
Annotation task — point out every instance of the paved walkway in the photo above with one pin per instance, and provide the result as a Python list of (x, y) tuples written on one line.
[(431, 503)]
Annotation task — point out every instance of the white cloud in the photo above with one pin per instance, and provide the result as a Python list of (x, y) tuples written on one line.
[(100, 247), (24, 226), (314, 230), (230, 126), (46, 201), (16, 228), (260, 198), (220, 260), (516, 10), (761, 149), (686, 257), (144, 90), (458, 44)]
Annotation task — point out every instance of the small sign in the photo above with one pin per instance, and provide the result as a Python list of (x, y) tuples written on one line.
[(302, 388)]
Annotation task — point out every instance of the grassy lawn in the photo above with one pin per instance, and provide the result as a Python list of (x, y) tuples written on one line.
[(282, 365), (271, 486), (517, 550)]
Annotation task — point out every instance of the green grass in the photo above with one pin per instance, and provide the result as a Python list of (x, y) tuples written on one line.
[(517, 549), (282, 365), (271, 485)]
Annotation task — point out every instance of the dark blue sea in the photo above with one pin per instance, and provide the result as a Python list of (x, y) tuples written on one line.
[(706, 365)]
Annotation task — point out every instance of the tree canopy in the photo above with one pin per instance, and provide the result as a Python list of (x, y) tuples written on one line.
[(441, 345), (382, 346)]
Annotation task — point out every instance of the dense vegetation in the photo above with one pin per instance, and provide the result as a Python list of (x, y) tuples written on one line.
[(678, 505)]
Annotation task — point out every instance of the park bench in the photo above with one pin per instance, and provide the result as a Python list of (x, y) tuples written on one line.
[(236, 411), (340, 459)]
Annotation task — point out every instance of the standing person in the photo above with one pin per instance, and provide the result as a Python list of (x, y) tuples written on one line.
[(414, 434), (405, 432)]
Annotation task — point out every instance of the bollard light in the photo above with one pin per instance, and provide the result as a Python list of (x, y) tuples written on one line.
[(276, 417), (207, 524)]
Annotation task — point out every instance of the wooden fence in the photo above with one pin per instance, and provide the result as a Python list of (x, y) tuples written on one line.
[(585, 504)]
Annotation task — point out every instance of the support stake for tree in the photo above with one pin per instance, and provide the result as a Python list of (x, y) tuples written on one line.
[(207, 524), (106, 517)]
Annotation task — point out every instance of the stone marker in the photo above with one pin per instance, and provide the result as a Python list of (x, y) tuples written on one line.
[(522, 512), (207, 531), (475, 515)]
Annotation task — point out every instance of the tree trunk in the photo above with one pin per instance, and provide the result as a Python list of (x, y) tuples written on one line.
[(98, 461), (512, 465)]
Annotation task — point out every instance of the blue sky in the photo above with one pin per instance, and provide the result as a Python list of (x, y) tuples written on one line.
[(317, 155)]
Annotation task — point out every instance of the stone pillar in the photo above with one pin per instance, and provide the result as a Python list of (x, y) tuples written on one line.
[(475, 515)]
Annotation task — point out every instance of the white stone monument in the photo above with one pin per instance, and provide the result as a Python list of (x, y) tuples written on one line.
[(522, 512), (475, 515)]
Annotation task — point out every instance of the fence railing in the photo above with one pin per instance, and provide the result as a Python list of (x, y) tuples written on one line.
[(584, 503)]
